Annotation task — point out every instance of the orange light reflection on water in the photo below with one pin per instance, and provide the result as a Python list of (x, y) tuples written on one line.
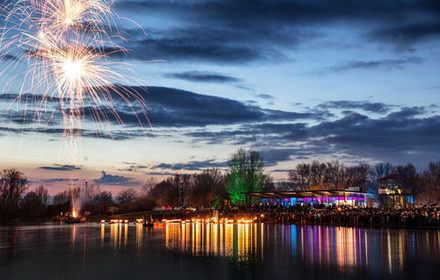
[(239, 241), (345, 248)]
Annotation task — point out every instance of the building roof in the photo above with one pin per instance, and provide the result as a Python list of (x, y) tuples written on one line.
[(315, 193), (390, 177)]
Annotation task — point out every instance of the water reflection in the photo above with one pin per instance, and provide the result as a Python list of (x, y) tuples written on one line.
[(242, 242), (139, 237), (281, 249), (351, 248), (118, 235), (348, 249)]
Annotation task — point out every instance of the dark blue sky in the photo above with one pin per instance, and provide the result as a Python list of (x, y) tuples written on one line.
[(355, 81)]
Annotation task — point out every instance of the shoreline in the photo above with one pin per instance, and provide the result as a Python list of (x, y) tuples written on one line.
[(97, 220)]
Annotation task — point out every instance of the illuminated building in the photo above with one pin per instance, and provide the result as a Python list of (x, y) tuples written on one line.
[(347, 197), (394, 193)]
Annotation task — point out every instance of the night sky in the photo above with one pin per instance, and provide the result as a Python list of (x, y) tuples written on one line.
[(355, 81)]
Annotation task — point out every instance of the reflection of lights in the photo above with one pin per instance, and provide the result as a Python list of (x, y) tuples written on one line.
[(119, 234), (73, 235), (102, 234), (139, 236), (125, 235), (241, 241), (389, 256), (349, 249), (114, 234), (171, 221)]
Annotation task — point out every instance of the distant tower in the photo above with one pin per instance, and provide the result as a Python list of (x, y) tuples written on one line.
[(87, 191)]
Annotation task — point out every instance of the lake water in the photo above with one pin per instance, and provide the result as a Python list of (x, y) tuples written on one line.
[(209, 251)]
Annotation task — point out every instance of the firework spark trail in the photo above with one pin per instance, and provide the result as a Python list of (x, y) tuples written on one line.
[(66, 46)]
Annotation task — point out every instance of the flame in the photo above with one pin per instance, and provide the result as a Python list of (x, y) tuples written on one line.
[(74, 214)]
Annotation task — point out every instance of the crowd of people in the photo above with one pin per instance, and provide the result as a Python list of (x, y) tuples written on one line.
[(412, 217), (423, 217)]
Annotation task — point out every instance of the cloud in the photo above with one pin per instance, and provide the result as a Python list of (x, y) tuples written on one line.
[(394, 133), (170, 107), (374, 107), (206, 77), (57, 180), (166, 108), (27, 98), (399, 136), (241, 31), (8, 57), (191, 165), (160, 173), (115, 180), (408, 33), (271, 158), (281, 12), (385, 64), (116, 135), (406, 134), (132, 167), (280, 170), (191, 49), (246, 134), (265, 96), (60, 167)]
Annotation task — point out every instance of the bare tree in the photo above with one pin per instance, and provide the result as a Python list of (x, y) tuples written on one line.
[(407, 175), (357, 176), (208, 187), (43, 195), (330, 175), (429, 184), (34, 204), (100, 203), (147, 187), (382, 169), (335, 175), (12, 186), (165, 193), (127, 196), (301, 176), (317, 173)]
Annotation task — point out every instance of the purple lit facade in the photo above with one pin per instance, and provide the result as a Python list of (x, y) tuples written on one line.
[(328, 198)]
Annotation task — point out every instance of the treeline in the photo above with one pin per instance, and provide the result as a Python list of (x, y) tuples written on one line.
[(200, 190), (15, 202), (212, 187), (425, 184), (328, 175), (209, 188)]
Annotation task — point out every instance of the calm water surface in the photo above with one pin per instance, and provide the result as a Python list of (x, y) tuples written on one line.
[(209, 251)]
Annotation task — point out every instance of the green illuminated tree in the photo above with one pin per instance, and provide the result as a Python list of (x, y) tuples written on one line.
[(246, 174)]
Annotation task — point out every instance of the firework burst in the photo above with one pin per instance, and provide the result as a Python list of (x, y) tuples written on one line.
[(66, 46)]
